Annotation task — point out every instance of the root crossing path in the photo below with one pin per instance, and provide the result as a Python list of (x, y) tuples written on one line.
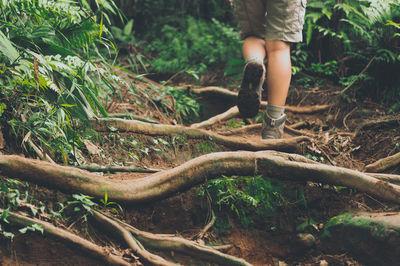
[(245, 157)]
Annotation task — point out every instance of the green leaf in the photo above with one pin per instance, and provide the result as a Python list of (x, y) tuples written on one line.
[(7, 48), (128, 28)]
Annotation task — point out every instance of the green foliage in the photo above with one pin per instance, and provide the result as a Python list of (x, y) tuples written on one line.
[(13, 194), (49, 84), (244, 196), (358, 35), (147, 13), (190, 44), (186, 107), (82, 206)]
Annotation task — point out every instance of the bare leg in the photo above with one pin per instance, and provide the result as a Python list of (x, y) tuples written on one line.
[(279, 71), (253, 47)]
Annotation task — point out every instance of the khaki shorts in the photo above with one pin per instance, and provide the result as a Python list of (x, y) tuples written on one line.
[(280, 20)]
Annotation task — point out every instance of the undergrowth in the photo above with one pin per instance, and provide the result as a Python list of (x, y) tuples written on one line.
[(245, 197), (190, 44), (50, 84)]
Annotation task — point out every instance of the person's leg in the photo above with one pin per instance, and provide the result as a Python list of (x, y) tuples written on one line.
[(253, 49), (278, 81), (279, 71), (249, 96), (284, 23), (250, 15)]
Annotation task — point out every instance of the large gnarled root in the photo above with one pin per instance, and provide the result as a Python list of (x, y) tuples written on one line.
[(69, 238), (193, 172), (163, 242), (235, 143)]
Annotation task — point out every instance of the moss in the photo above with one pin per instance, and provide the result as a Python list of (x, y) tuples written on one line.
[(378, 229)]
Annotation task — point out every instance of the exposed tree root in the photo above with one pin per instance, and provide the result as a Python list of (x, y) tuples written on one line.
[(234, 112), (249, 128), (222, 93), (235, 143), (114, 169), (231, 113), (201, 234), (69, 238), (193, 172), (124, 235), (170, 243), (232, 97), (242, 130), (388, 122), (383, 164), (394, 179), (131, 116)]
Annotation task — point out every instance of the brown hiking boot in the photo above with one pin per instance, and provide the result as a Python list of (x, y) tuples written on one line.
[(272, 128), (249, 96)]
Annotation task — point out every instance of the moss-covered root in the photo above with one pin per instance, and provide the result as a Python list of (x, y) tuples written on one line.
[(161, 242), (372, 238), (71, 239)]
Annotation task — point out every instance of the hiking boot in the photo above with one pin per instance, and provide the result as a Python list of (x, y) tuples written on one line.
[(249, 96), (272, 128)]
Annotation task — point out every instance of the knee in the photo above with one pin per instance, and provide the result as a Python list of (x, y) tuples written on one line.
[(277, 46)]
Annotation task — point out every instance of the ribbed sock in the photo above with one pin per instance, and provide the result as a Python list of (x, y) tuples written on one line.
[(274, 111), (255, 58)]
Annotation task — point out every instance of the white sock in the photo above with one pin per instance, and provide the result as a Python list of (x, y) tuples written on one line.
[(274, 111), (255, 58)]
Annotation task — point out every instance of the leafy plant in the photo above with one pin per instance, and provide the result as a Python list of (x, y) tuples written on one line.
[(186, 107), (244, 196), (190, 44), (50, 87), (110, 204), (82, 205)]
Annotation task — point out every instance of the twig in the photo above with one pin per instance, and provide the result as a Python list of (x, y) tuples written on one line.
[(359, 75), (347, 116)]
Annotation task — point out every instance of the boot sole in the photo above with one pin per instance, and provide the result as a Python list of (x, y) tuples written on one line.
[(248, 100)]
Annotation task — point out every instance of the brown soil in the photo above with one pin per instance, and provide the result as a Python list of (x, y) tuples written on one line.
[(270, 241)]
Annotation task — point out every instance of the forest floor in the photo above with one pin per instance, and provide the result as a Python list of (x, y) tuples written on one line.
[(348, 134)]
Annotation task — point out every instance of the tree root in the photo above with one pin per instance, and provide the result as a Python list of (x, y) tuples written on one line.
[(194, 172), (394, 179), (131, 116), (234, 112), (69, 238), (231, 113), (235, 143), (163, 242), (114, 169), (387, 122), (232, 97), (124, 235), (258, 126), (383, 164)]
